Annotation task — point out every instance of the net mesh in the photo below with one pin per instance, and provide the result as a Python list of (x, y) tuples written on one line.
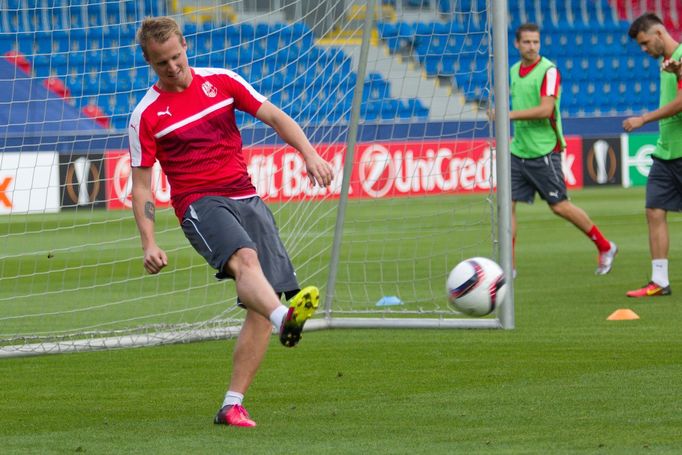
[(420, 185)]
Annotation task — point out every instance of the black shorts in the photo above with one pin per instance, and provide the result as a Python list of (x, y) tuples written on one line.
[(664, 185), (218, 226), (542, 175)]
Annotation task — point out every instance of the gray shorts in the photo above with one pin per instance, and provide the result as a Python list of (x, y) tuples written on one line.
[(218, 226), (542, 175), (664, 185)]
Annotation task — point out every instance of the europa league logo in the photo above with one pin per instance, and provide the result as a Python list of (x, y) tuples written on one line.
[(82, 182), (601, 162)]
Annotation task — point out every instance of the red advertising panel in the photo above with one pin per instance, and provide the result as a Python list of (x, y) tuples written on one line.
[(572, 161), (119, 182), (380, 170), (386, 169), (393, 169)]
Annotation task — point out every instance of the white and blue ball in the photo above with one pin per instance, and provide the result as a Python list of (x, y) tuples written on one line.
[(476, 286)]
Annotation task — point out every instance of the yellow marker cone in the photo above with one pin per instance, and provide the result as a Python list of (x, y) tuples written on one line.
[(623, 315)]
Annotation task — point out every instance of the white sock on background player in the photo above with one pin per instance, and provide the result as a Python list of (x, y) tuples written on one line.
[(659, 272)]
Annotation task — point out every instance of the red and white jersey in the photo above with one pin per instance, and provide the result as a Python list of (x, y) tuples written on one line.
[(194, 136)]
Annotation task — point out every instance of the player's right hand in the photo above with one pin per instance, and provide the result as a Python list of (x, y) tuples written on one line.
[(154, 260), (632, 123), (319, 170)]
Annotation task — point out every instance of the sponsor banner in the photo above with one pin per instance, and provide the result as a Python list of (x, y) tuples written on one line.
[(393, 169), (82, 180), (29, 182), (119, 182), (404, 169), (381, 170), (601, 161), (279, 174), (636, 154), (572, 162)]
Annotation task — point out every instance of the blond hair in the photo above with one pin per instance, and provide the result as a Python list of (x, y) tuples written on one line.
[(159, 29)]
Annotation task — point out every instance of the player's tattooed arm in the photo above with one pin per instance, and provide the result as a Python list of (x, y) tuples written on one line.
[(150, 211)]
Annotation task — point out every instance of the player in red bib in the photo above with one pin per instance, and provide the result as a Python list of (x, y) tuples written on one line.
[(186, 122)]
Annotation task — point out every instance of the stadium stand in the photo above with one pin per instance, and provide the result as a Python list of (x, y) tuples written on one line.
[(40, 111), (90, 48), (588, 41)]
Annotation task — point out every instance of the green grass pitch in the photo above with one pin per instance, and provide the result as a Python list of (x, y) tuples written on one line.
[(565, 380)]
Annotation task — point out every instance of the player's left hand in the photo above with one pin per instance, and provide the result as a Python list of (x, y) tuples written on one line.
[(632, 123), (320, 172), (672, 66)]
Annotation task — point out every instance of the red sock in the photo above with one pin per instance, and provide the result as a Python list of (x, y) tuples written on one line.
[(598, 238)]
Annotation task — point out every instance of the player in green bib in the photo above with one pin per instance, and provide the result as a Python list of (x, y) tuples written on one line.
[(538, 142), (664, 184)]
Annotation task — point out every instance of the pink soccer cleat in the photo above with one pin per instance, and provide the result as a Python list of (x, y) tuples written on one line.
[(650, 290), (234, 415)]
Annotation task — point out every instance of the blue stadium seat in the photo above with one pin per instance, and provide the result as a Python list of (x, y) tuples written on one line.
[(119, 122), (42, 65), (155, 8), (413, 108), (433, 65), (77, 17), (43, 42), (8, 41), (91, 84), (76, 61), (445, 6), (449, 65), (272, 83), (262, 29), (189, 28), (386, 29), (376, 89), (93, 59), (405, 36), (370, 109), (95, 14), (247, 31), (76, 40), (112, 11), (25, 42)]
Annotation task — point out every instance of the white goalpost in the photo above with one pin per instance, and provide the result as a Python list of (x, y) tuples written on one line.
[(394, 94)]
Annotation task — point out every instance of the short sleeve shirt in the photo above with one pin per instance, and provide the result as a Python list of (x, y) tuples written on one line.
[(194, 136)]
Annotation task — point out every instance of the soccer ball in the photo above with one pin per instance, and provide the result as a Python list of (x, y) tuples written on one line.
[(476, 286)]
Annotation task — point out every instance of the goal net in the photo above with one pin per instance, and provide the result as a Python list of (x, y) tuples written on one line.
[(393, 95)]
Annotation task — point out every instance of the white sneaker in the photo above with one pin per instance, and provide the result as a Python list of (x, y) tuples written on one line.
[(606, 260)]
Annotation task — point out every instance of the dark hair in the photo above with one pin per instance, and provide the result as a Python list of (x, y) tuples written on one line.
[(643, 23), (528, 27)]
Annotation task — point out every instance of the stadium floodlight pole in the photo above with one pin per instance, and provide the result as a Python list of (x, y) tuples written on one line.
[(502, 135), (350, 152)]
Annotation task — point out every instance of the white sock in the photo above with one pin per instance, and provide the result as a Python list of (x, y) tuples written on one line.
[(659, 272), (232, 398), (277, 316)]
